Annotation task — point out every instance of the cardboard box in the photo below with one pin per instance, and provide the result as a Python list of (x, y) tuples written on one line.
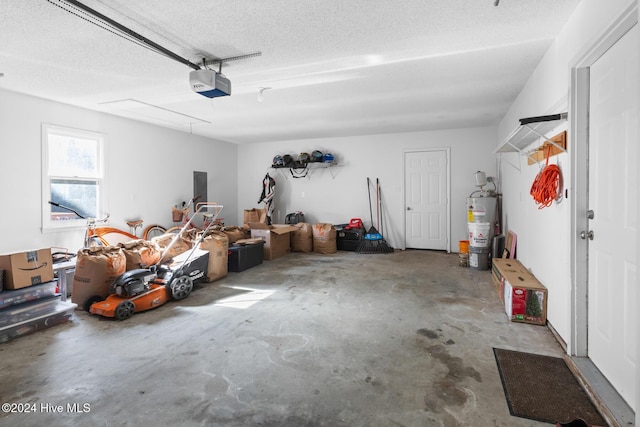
[(524, 297), (502, 266), (28, 268), (277, 238), (526, 303)]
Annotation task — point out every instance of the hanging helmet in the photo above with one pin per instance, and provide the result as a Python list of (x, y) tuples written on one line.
[(278, 162), (316, 156), (328, 158), (304, 158), (288, 160)]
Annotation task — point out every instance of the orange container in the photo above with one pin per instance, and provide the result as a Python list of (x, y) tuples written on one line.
[(464, 246)]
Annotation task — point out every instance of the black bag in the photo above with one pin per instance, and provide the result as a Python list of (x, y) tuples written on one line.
[(294, 218)]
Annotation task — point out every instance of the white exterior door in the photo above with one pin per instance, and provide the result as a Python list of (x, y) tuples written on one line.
[(613, 198), (427, 199)]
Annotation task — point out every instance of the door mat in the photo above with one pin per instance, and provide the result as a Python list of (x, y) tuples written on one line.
[(543, 388)]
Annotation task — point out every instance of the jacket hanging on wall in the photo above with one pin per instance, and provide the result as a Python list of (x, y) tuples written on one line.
[(268, 191)]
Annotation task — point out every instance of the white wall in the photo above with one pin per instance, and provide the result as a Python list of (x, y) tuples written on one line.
[(544, 235), (336, 199), (149, 169)]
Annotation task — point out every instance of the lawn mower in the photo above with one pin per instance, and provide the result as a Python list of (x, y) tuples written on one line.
[(146, 288)]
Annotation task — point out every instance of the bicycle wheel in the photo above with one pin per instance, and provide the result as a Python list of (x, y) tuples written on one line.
[(153, 231), (174, 230)]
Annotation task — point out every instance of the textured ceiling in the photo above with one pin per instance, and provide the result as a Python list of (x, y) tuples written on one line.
[(334, 67)]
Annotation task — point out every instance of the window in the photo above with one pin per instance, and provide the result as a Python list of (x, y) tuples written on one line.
[(72, 176)]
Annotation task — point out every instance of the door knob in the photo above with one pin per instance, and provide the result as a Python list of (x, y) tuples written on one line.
[(408, 208), (585, 234)]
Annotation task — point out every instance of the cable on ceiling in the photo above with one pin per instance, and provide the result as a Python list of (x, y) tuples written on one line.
[(214, 61), (88, 14), (92, 20)]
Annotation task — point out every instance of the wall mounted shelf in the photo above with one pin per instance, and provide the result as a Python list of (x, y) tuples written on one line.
[(540, 154), (310, 169), (533, 129)]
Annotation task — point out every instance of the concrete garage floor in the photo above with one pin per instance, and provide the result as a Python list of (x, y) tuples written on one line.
[(401, 339)]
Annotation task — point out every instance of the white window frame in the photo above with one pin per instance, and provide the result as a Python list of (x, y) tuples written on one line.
[(49, 129)]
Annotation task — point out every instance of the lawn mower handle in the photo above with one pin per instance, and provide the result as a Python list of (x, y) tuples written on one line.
[(202, 206)]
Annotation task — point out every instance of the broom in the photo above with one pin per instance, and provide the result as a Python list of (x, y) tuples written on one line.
[(388, 249), (373, 242)]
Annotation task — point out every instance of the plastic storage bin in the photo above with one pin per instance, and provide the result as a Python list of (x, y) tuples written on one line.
[(243, 257)]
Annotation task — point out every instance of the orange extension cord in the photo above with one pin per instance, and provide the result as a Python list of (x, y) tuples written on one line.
[(545, 187)]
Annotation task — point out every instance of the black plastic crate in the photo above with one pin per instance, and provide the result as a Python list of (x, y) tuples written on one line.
[(348, 245), (242, 257), (348, 239), (350, 234)]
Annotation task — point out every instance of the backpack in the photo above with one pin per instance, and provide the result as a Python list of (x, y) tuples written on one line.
[(294, 218)]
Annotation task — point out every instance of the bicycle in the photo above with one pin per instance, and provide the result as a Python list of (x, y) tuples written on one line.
[(95, 236), (112, 236), (148, 233), (208, 218), (90, 237), (109, 236)]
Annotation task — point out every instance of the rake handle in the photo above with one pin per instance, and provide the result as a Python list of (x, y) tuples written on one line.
[(370, 208)]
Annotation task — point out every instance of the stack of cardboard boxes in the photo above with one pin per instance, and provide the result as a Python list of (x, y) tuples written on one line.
[(29, 297), (281, 239)]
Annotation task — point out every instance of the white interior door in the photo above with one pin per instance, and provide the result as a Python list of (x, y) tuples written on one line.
[(427, 199), (613, 198)]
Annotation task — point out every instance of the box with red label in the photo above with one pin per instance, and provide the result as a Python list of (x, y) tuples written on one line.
[(526, 303), (524, 297), (507, 266)]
